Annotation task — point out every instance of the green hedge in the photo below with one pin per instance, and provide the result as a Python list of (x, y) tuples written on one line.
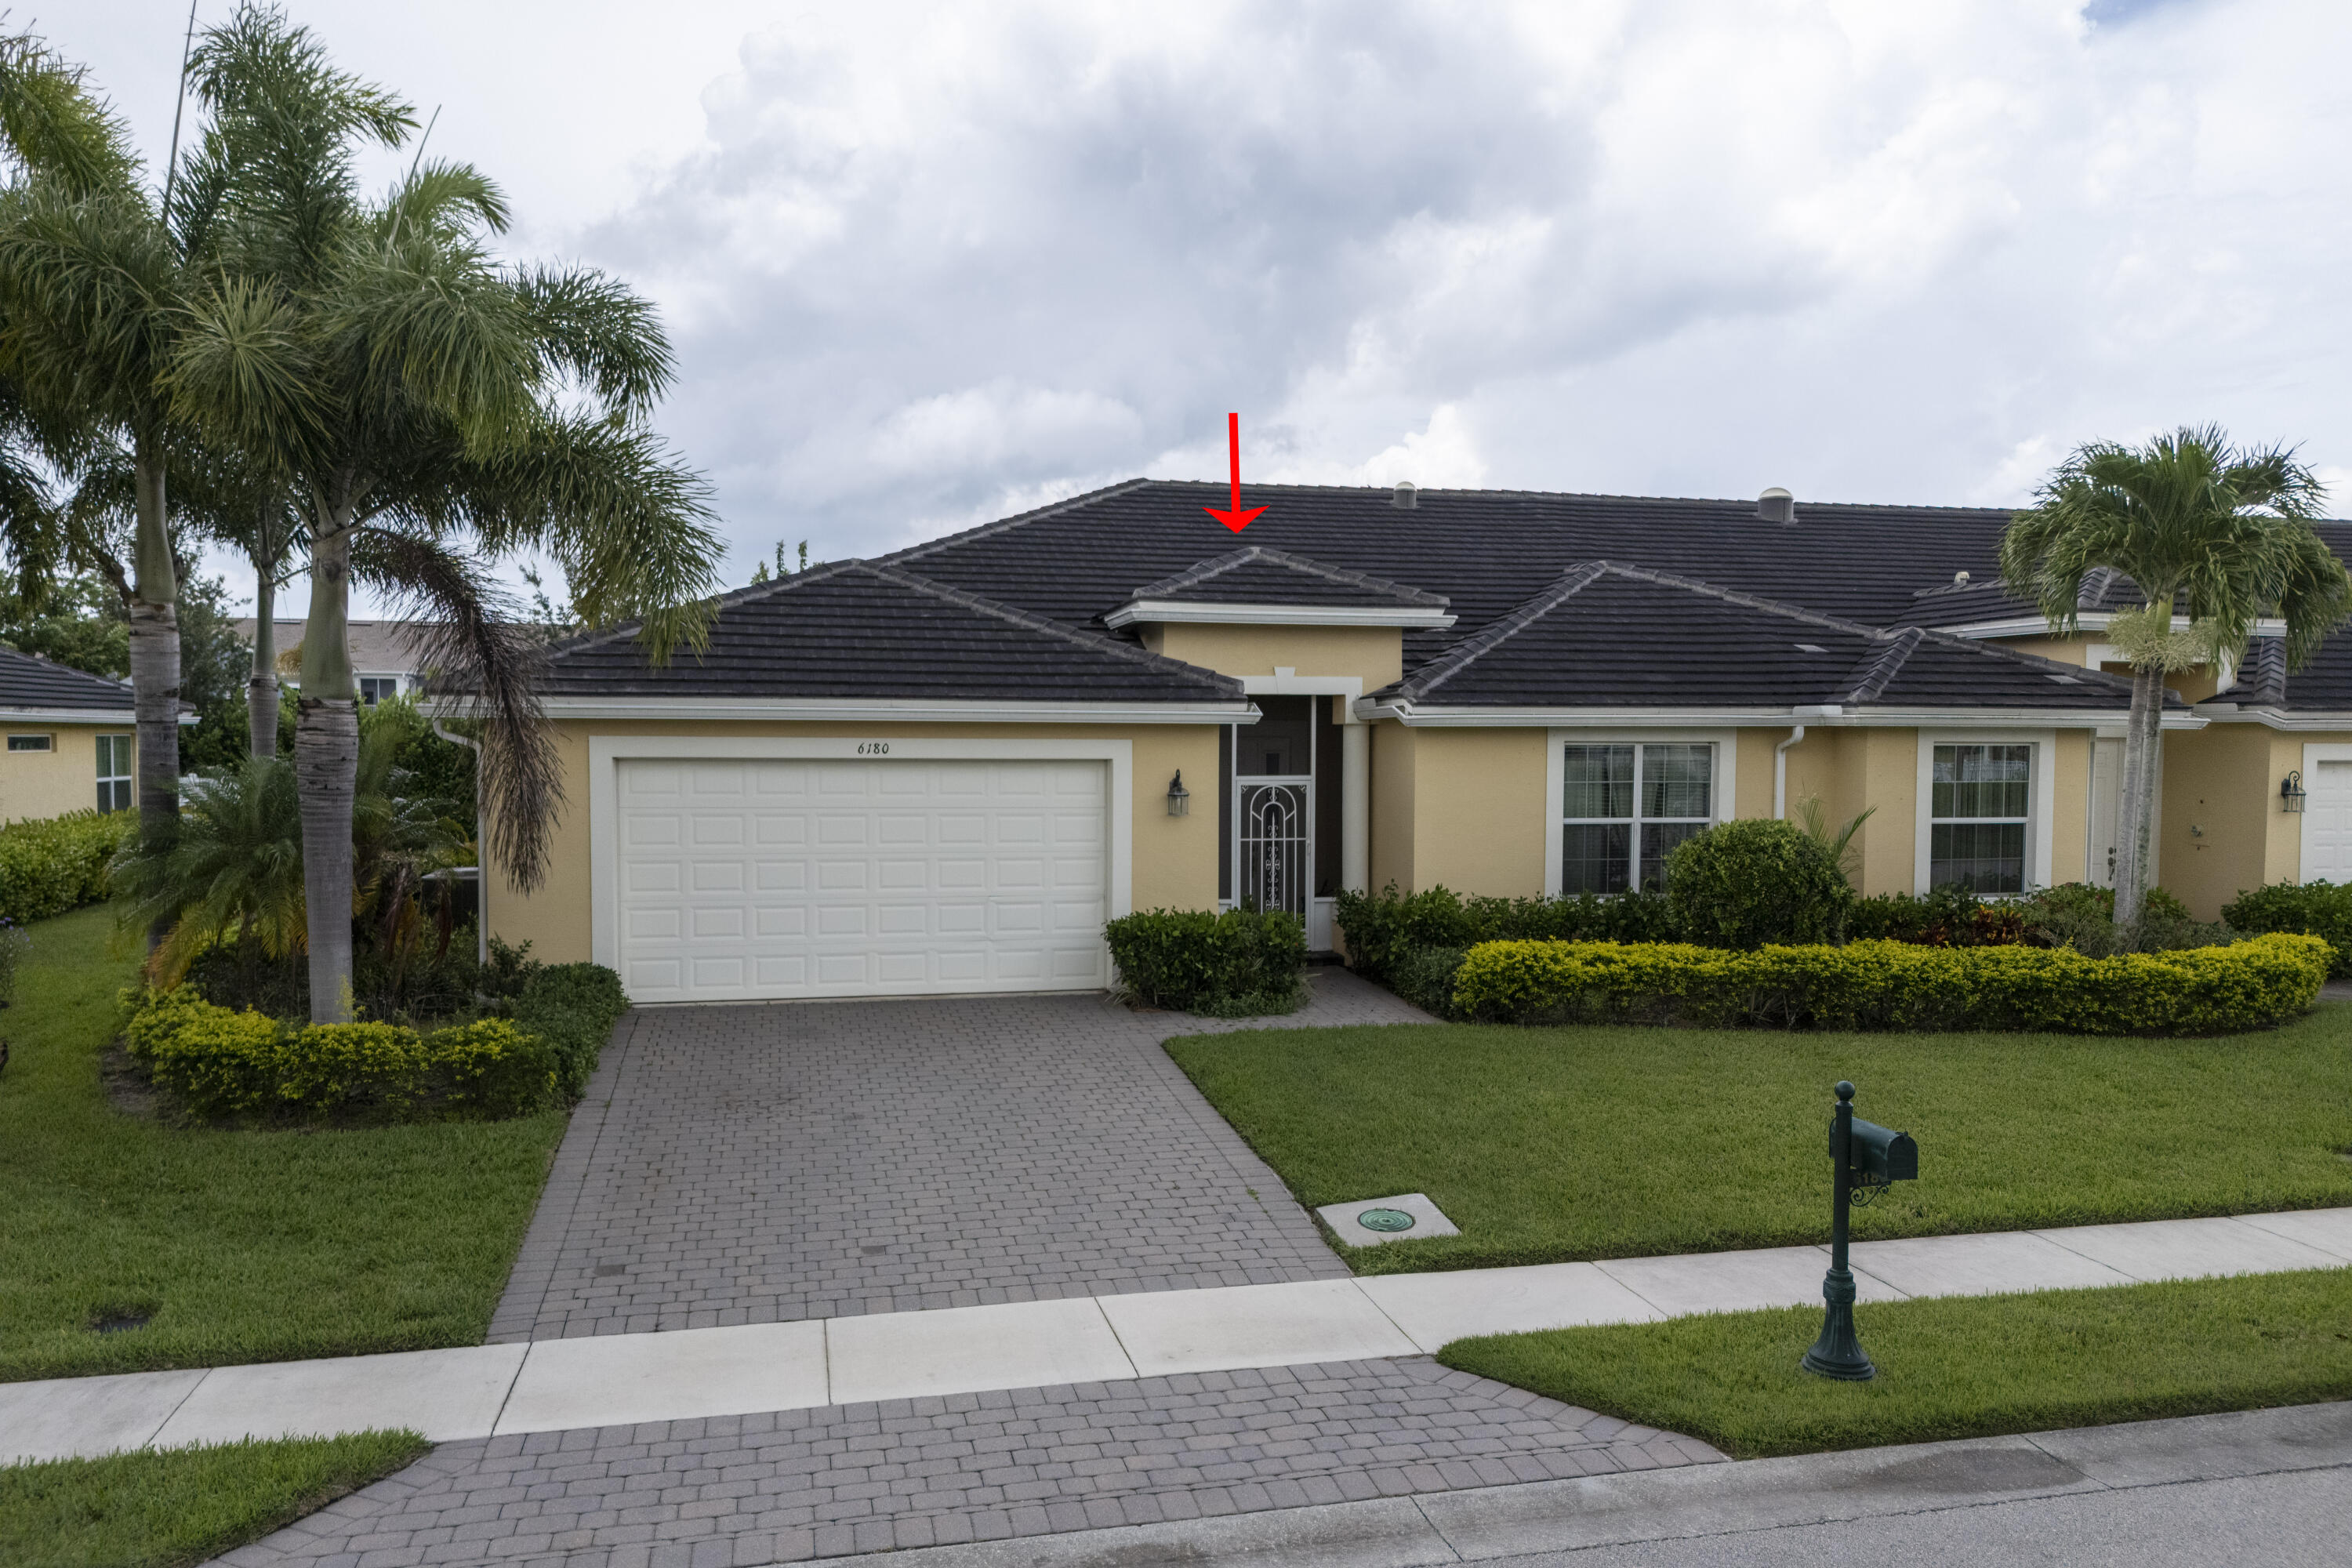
[(56, 864), (1236, 965), (1743, 884), (2321, 909), (1897, 985), (1384, 929), (573, 1007)]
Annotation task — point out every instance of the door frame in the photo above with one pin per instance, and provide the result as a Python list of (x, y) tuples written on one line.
[(607, 752)]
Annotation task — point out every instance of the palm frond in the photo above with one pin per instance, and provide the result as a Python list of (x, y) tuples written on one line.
[(53, 127), (601, 333)]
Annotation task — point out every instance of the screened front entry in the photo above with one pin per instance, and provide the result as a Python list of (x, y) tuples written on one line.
[(1625, 807)]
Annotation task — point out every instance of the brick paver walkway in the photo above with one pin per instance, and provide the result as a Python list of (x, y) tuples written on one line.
[(744, 1164), (820, 1483)]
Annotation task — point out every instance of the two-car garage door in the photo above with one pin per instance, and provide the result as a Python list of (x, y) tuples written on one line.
[(858, 878)]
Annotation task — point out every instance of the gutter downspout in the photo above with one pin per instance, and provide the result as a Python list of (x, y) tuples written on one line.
[(1780, 773), (481, 873)]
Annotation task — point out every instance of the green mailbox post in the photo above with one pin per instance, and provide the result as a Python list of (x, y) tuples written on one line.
[(1864, 1158)]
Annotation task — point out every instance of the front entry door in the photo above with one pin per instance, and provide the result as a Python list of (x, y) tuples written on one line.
[(1276, 843)]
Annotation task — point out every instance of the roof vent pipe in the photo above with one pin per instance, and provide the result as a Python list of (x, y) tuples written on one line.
[(1406, 497), (1777, 505)]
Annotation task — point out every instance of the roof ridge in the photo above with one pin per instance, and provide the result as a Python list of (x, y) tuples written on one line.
[(1869, 677), (1217, 566), (1029, 620), (1460, 656), (1019, 519)]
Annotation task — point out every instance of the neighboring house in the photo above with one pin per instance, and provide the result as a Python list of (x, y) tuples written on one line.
[(384, 655), (939, 771), (70, 737)]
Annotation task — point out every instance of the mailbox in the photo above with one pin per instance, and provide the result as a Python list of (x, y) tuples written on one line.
[(1878, 1155)]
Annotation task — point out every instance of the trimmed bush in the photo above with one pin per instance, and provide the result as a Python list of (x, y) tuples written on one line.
[(1232, 965), (573, 1007), (2321, 909), (1743, 884), (1424, 977), (1897, 985), (1384, 929), (58, 864), (225, 1065)]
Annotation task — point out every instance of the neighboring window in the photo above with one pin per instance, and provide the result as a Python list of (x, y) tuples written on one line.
[(1977, 818), (1624, 808), (28, 742), (375, 689), (114, 773)]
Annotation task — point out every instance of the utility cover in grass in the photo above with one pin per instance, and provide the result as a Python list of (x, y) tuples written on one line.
[(1372, 1221)]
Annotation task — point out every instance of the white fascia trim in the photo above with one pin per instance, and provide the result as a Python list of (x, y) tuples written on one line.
[(606, 752), (866, 711), (1175, 611), (2290, 722), (1286, 681), (2089, 621), (1727, 781), (125, 717), (2039, 822), (2314, 753), (1419, 715)]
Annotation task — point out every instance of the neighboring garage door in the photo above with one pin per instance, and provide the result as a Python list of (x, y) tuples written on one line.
[(2328, 824), (778, 879)]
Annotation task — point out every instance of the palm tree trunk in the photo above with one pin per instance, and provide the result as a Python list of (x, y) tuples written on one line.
[(2139, 808), (326, 773), (261, 691), (154, 657)]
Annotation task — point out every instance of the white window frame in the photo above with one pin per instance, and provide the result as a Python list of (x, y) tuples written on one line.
[(48, 744), (2314, 753), (606, 752), (129, 765), (1721, 794), (2042, 794)]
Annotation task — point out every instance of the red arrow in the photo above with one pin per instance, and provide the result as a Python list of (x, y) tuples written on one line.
[(1236, 518)]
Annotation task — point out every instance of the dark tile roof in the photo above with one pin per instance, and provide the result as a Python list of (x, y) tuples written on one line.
[(857, 630), (27, 681), (1255, 575), (1608, 635)]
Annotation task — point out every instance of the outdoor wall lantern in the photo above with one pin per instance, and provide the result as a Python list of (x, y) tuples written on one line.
[(2291, 792), (1864, 1159), (1179, 799)]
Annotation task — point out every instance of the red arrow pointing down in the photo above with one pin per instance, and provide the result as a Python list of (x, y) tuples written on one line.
[(1236, 518)]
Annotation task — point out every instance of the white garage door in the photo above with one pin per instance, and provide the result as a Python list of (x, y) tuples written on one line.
[(778, 879), (2328, 824)]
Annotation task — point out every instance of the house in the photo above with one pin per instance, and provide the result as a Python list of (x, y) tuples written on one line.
[(71, 739), (385, 655), (940, 771)]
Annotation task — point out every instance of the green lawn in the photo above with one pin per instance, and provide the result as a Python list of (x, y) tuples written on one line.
[(243, 1247), (161, 1510), (1954, 1367), (1551, 1144)]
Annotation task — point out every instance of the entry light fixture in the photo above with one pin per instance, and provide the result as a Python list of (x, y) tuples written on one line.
[(2291, 792), (1179, 799)]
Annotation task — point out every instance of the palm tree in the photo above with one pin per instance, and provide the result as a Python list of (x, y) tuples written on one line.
[(432, 409), (2210, 534), (91, 274), (234, 872)]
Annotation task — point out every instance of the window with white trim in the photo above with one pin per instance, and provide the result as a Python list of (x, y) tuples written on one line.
[(1980, 812), (114, 773), (375, 689), (1624, 808), (30, 743)]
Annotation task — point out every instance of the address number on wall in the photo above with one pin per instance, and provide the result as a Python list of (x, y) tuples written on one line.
[(873, 748)]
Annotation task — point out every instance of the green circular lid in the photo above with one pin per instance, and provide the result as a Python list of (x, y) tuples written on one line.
[(1385, 1219)]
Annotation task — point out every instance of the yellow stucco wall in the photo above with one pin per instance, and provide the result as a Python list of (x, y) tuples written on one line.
[(2224, 779), (1394, 748), (1174, 857), (64, 778), (1478, 810), (1375, 653)]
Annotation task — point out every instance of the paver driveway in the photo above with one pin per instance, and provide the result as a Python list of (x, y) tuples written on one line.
[(760, 1164)]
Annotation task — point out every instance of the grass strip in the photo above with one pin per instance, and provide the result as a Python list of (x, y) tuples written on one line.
[(1951, 1367), (232, 1245), (164, 1509), (1549, 1144)]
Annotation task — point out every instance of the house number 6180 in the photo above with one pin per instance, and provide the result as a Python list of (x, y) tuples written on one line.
[(873, 748)]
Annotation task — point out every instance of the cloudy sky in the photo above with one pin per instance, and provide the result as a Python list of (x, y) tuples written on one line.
[(928, 264)]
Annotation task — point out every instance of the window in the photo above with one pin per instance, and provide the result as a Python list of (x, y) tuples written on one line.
[(28, 742), (114, 773), (1978, 816), (1625, 808), (375, 689)]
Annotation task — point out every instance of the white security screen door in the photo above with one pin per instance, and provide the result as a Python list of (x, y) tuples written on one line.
[(2328, 827), (776, 880)]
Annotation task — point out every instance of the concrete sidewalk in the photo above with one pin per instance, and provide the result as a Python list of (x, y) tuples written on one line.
[(615, 1380)]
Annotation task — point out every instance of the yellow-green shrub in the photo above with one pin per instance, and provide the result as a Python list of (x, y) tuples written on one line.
[(220, 1063), (1897, 985), (50, 865)]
